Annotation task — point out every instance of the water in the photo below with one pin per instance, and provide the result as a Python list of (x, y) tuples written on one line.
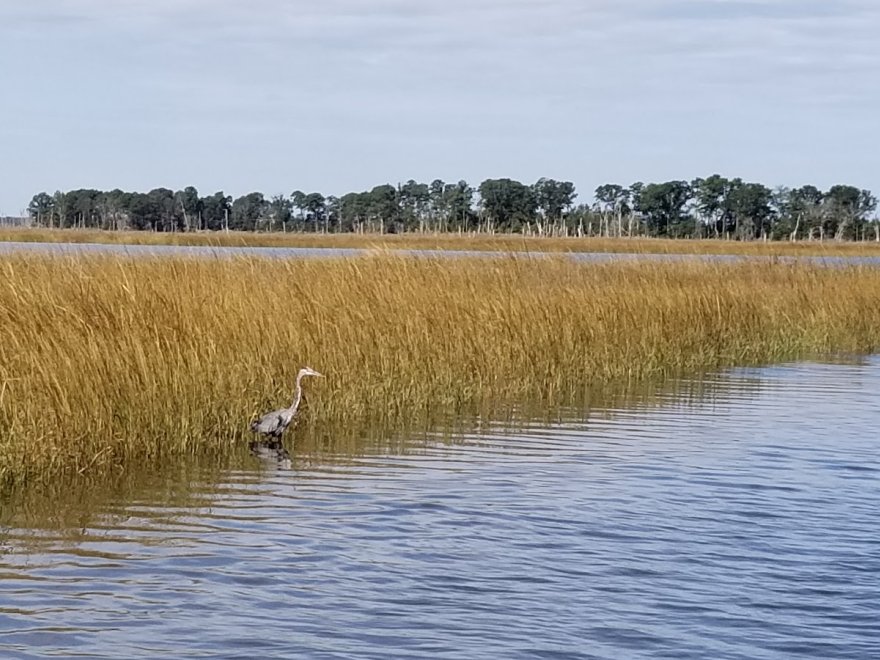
[(736, 517), (313, 252)]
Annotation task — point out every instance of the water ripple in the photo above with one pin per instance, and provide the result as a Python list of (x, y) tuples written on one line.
[(739, 526)]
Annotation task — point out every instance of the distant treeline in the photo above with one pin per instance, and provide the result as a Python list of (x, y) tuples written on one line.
[(703, 208)]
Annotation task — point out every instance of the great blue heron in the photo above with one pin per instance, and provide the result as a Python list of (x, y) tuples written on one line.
[(273, 424)]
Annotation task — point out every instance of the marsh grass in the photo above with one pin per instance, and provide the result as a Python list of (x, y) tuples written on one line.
[(109, 361), (74, 504), (482, 242)]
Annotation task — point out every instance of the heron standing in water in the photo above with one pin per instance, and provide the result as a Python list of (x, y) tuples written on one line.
[(273, 424)]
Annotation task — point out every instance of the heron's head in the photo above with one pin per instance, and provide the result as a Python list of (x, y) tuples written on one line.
[(308, 371)]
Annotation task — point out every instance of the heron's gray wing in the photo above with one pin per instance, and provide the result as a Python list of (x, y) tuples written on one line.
[(269, 423)]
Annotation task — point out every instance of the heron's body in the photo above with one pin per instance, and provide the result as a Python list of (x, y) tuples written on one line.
[(273, 424)]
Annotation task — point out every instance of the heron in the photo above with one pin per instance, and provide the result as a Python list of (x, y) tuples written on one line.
[(273, 424)]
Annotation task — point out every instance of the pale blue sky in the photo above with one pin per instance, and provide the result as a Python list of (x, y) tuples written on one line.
[(340, 95)]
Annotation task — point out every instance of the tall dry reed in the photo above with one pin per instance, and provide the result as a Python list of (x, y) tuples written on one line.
[(105, 359)]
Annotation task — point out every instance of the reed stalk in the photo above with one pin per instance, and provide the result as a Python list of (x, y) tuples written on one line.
[(106, 360)]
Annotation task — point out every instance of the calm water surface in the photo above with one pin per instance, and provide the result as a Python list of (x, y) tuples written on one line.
[(740, 523), (318, 252)]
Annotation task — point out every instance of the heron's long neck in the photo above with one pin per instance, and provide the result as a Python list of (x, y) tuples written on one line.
[(297, 396)]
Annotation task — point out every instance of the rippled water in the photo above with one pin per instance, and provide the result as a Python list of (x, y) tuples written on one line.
[(738, 523)]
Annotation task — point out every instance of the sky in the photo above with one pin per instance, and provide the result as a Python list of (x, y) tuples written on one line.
[(341, 95)]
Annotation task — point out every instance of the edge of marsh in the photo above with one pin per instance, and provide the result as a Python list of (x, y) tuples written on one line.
[(108, 361), (452, 242)]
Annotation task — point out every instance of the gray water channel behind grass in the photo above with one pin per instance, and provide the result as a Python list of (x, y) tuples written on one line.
[(318, 252), (742, 523)]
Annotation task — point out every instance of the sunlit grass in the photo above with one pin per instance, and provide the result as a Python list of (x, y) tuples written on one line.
[(495, 243), (108, 360)]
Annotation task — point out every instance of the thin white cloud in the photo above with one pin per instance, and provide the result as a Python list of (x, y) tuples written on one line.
[(626, 89)]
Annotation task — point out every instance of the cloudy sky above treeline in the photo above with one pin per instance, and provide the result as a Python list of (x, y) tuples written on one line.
[(341, 95)]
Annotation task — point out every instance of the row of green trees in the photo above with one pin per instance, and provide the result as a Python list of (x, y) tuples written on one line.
[(705, 207)]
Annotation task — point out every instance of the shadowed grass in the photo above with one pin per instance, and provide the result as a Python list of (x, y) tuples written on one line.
[(106, 360), (491, 243)]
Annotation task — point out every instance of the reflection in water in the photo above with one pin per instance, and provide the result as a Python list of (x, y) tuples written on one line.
[(271, 451), (732, 516), (70, 502)]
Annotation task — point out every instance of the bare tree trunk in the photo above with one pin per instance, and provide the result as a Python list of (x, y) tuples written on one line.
[(185, 218)]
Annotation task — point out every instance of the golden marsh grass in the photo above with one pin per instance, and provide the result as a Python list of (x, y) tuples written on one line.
[(483, 242), (108, 361)]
